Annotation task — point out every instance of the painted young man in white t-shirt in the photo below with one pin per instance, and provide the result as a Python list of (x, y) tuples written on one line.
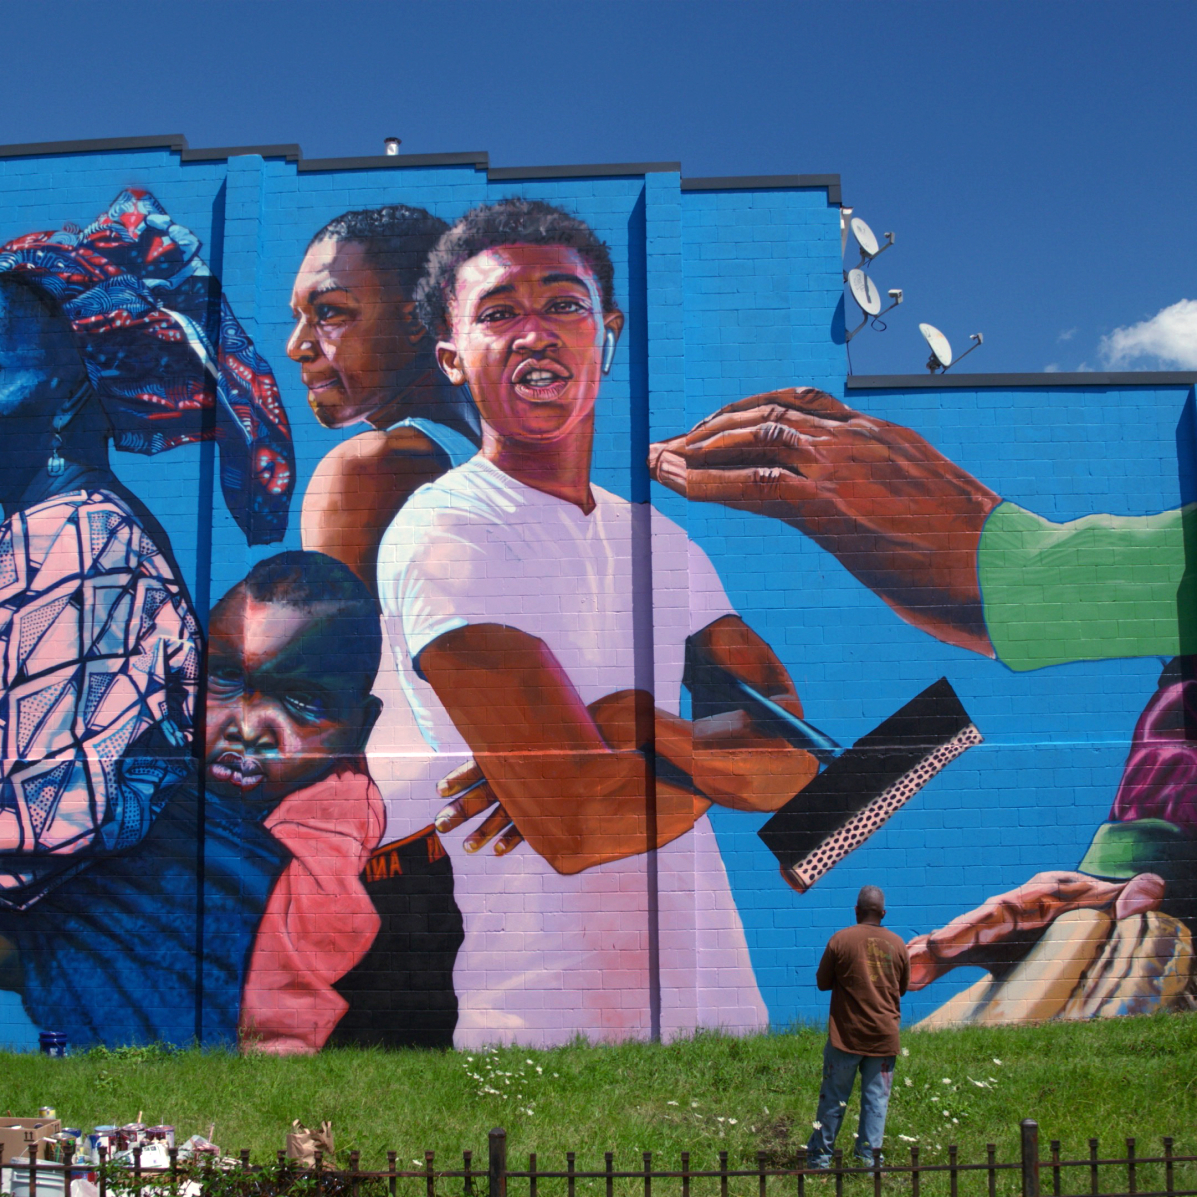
[(535, 632)]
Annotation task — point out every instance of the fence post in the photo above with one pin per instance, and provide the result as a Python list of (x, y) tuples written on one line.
[(1030, 1158), (498, 1162)]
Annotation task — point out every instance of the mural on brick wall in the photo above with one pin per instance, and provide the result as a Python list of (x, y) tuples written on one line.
[(483, 749), (956, 561)]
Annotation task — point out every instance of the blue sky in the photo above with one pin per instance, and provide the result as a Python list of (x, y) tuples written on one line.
[(1037, 162)]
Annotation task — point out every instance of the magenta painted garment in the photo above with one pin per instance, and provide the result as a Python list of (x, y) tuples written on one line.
[(319, 920), (1160, 778)]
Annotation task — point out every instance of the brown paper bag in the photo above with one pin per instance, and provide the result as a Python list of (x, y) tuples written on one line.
[(302, 1144)]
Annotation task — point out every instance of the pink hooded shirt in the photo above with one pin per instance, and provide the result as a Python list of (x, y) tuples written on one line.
[(319, 920)]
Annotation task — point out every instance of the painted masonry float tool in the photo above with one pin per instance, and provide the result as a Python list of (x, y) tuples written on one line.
[(859, 788)]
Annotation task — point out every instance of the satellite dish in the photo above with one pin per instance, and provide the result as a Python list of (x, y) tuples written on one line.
[(941, 351), (864, 237), (865, 292)]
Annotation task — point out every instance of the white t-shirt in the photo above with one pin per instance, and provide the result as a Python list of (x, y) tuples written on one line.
[(548, 956)]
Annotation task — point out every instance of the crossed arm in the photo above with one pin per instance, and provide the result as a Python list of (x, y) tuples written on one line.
[(577, 781)]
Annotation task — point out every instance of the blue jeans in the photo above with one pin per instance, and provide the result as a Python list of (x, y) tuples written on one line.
[(839, 1075)]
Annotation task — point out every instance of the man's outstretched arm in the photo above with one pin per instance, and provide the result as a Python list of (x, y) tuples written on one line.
[(900, 516)]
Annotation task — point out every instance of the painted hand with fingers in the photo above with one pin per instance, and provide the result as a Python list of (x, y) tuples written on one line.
[(900, 516), (469, 794), (1003, 928)]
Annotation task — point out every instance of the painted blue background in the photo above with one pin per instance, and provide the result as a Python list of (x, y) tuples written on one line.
[(727, 293)]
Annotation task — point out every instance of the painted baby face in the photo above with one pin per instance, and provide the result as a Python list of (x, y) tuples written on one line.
[(281, 708)]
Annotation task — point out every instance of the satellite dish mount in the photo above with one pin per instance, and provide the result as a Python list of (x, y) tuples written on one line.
[(941, 352), (866, 241), (868, 299)]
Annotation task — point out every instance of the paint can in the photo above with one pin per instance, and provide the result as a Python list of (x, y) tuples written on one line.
[(130, 1135), (46, 1112), (102, 1137), (52, 1043), (161, 1134)]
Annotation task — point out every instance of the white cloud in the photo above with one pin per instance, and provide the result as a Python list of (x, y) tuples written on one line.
[(1052, 368), (1170, 336), (1067, 334)]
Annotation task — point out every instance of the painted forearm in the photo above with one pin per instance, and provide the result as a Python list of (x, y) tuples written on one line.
[(1091, 589)]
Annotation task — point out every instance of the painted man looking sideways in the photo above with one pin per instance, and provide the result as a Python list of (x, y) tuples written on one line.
[(507, 590)]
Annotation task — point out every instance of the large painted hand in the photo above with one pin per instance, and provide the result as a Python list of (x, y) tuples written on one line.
[(1009, 920), (897, 514)]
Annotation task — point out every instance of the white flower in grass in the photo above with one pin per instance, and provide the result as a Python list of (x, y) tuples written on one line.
[(418, 1163), (956, 1120), (732, 1121), (843, 1105), (718, 1119), (934, 1098), (997, 1061), (694, 1105), (671, 1103), (947, 1080), (909, 1082), (766, 1109), (909, 1138), (906, 1051), (817, 1125)]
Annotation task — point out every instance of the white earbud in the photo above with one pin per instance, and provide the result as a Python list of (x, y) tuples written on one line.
[(608, 350)]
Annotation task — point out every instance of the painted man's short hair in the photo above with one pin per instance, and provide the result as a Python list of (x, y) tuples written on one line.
[(509, 222)]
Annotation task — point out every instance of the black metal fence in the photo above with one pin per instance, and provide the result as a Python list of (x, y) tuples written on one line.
[(1030, 1175)]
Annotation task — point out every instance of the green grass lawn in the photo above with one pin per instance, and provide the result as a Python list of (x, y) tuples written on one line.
[(1113, 1079)]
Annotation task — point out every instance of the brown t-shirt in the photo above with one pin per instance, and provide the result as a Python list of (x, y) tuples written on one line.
[(867, 970)]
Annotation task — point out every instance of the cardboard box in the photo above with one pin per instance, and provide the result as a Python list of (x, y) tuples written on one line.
[(16, 1134)]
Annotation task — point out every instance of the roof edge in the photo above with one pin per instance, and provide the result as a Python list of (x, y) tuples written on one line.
[(479, 159), (768, 183), (921, 382), (291, 152), (499, 174), (39, 149)]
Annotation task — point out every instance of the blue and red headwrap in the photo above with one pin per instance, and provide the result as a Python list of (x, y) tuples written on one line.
[(165, 353)]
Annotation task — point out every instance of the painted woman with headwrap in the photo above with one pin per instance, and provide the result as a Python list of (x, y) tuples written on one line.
[(115, 336)]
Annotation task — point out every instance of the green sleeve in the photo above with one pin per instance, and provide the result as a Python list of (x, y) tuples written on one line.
[(1099, 587)]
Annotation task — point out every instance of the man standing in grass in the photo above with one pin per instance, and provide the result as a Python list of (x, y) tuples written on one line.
[(867, 970)]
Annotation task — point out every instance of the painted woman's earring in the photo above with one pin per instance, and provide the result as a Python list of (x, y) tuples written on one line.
[(57, 463), (608, 350)]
